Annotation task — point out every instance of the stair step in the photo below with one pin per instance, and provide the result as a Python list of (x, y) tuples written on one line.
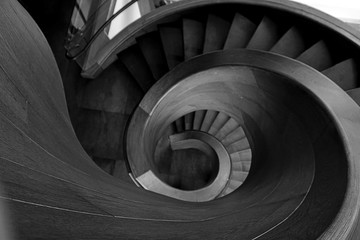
[(241, 156), (170, 130), (317, 56), (228, 127), (189, 119), (345, 74), (198, 119), (355, 95), (180, 124), (231, 186), (234, 136), (240, 32), (218, 123), (291, 44), (222, 194), (239, 176), (172, 41), (238, 146), (241, 166), (152, 49), (227, 191), (265, 36), (208, 120), (193, 34), (234, 184), (133, 60), (216, 32)]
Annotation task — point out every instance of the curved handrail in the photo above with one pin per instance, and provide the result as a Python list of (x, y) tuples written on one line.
[(80, 33), (125, 155), (151, 182)]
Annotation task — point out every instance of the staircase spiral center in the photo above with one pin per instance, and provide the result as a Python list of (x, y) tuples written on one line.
[(189, 165)]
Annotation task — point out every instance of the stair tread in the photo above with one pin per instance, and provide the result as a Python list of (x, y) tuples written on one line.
[(241, 166), (228, 191), (152, 49), (234, 136), (265, 36), (239, 175), (222, 194), (291, 44), (218, 123), (240, 32), (198, 119), (235, 180), (172, 41), (170, 130), (317, 56), (345, 74), (216, 32), (180, 124), (234, 184), (133, 60), (241, 156), (238, 146), (193, 34), (208, 120), (189, 119), (228, 127)]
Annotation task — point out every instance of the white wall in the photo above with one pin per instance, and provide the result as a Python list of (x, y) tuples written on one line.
[(347, 10)]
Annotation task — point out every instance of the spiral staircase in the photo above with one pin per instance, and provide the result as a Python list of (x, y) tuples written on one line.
[(235, 119)]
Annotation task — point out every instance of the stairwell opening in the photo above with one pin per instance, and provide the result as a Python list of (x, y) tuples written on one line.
[(188, 167), (271, 111)]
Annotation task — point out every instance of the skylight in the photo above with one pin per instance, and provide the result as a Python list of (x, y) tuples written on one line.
[(346, 10), (125, 18)]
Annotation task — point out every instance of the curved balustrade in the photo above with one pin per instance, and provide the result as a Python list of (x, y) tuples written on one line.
[(197, 140), (79, 40), (302, 129)]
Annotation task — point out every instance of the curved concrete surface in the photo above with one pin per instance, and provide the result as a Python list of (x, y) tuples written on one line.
[(54, 190), (199, 140), (276, 116)]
